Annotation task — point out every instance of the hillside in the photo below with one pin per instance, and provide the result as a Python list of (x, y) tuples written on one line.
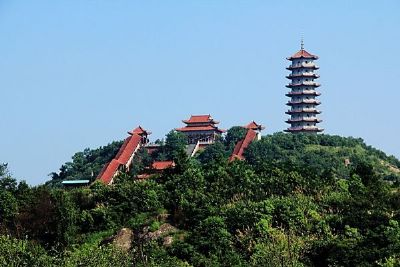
[(296, 200)]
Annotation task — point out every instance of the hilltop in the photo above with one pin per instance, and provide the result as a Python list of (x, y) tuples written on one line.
[(294, 200)]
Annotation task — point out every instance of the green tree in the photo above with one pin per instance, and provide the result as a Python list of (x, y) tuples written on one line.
[(8, 206), (175, 143), (234, 135), (213, 154)]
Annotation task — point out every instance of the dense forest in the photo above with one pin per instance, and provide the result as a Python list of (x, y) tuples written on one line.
[(297, 200)]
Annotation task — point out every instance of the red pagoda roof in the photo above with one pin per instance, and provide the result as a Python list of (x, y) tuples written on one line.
[(302, 54), (200, 119), (108, 172), (242, 145), (254, 126), (139, 130)]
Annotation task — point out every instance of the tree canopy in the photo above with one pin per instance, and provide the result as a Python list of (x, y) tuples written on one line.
[(297, 200)]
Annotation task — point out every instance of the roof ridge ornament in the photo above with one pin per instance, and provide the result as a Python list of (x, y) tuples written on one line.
[(302, 44)]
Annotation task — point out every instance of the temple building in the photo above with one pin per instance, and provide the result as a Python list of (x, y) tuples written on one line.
[(201, 129), (303, 95)]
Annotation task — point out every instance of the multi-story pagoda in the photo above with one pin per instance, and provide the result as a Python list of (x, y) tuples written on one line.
[(201, 129), (303, 95)]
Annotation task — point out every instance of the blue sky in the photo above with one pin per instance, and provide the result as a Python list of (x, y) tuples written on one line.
[(77, 74)]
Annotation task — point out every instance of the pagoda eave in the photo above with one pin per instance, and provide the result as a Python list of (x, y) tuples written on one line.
[(304, 129), (303, 93), (314, 111), (302, 56), (291, 85), (315, 67), (303, 120), (316, 103), (293, 76)]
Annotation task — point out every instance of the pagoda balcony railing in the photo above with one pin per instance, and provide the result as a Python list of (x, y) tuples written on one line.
[(303, 110), (304, 74), (304, 101), (304, 119), (302, 65), (305, 83), (304, 92)]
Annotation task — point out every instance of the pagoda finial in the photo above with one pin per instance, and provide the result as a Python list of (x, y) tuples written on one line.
[(302, 44)]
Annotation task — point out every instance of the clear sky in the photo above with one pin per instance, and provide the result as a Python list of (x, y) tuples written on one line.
[(80, 73)]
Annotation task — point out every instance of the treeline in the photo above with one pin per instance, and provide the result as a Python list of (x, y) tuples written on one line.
[(85, 165), (297, 200)]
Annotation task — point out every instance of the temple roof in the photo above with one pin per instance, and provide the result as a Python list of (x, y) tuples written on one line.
[(302, 54), (200, 128), (200, 119), (108, 172), (124, 154), (200, 123), (162, 165), (254, 126), (139, 130), (128, 148)]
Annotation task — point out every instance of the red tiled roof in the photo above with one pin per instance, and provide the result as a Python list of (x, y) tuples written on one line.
[(125, 152), (122, 148), (108, 172), (162, 165), (242, 145), (139, 130), (200, 128), (302, 54), (200, 119), (128, 148), (254, 126)]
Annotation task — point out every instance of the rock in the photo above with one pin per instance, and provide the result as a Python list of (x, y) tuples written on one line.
[(167, 241), (123, 239), (164, 229)]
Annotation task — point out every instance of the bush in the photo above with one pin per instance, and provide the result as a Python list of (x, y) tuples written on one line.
[(14, 252)]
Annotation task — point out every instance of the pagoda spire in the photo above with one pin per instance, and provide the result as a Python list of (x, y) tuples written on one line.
[(303, 94)]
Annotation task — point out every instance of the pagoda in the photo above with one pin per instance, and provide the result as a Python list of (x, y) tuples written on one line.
[(201, 129), (303, 95)]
